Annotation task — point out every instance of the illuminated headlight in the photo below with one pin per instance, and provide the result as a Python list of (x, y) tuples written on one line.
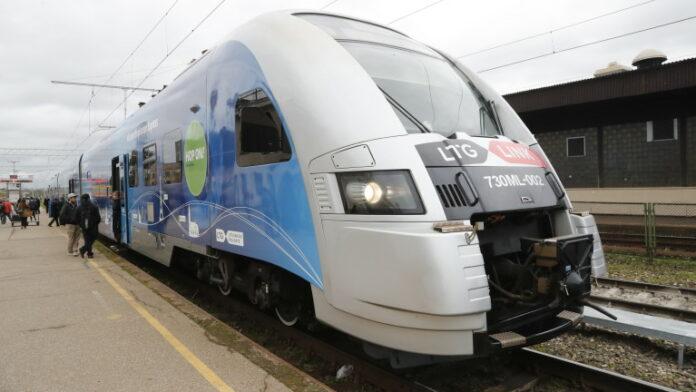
[(379, 192)]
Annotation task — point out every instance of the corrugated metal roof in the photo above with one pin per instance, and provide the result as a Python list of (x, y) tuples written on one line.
[(670, 76)]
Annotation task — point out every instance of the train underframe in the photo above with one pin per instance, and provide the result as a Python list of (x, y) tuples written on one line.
[(266, 286), (534, 277)]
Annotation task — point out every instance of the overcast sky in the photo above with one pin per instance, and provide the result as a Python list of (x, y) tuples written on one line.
[(87, 40)]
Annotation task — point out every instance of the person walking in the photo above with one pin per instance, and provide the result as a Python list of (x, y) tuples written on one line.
[(3, 214), (89, 219), (69, 218), (24, 212), (7, 210), (34, 206), (60, 202), (45, 204), (54, 211)]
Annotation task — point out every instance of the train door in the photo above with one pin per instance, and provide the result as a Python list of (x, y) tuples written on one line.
[(119, 218)]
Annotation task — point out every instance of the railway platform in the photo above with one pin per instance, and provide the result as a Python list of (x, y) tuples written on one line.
[(76, 324)]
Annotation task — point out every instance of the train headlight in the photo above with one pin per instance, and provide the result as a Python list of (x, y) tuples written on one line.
[(360, 192), (389, 192)]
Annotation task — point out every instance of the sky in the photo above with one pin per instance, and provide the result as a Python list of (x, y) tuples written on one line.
[(44, 126)]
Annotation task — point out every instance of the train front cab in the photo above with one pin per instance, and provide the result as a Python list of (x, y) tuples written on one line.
[(454, 238)]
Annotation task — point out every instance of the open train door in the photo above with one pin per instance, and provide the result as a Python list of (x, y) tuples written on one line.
[(119, 217)]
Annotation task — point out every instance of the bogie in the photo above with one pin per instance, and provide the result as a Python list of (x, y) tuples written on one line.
[(267, 287)]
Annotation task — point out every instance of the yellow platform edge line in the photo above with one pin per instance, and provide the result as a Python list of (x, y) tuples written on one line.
[(190, 357)]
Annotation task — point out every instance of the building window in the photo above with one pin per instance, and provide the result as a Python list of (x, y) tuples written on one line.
[(261, 138), (662, 130), (133, 169), (172, 158), (575, 146), (150, 165)]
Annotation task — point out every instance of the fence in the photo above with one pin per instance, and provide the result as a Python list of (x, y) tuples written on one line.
[(652, 225)]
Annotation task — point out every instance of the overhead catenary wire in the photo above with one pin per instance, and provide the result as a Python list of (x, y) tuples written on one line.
[(415, 12), (140, 44), (599, 41), (136, 71), (574, 24), (218, 5), (77, 147), (329, 4), (94, 93)]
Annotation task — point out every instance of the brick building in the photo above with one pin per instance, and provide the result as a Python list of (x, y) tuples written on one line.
[(626, 128)]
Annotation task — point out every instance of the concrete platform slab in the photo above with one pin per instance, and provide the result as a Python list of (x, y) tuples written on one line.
[(84, 325)]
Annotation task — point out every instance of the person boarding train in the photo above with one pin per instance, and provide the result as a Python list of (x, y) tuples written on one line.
[(89, 218)]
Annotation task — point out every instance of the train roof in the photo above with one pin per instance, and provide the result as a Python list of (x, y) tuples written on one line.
[(325, 96)]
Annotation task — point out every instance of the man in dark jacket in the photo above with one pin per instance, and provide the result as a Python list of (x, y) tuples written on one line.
[(69, 218), (54, 211), (34, 206), (89, 219)]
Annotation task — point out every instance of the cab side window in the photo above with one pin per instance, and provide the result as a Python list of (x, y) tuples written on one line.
[(261, 138), (133, 169), (150, 165)]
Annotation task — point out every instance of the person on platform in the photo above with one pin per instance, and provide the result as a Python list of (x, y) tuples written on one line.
[(89, 218), (7, 210), (34, 206), (24, 212), (4, 214), (69, 218), (60, 202), (54, 211), (116, 215)]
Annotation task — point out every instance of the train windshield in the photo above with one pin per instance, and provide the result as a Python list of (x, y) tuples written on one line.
[(427, 93)]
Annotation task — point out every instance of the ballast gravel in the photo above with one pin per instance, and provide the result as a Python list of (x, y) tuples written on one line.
[(652, 360)]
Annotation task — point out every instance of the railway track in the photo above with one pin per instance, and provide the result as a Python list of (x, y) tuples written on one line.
[(663, 294), (589, 377), (532, 366), (652, 287), (638, 240)]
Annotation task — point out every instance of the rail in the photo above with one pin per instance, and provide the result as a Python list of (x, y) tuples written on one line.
[(650, 225), (601, 379), (632, 284), (625, 299)]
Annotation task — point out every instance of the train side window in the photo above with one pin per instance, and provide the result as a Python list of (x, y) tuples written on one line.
[(172, 158), (133, 169), (261, 138), (150, 165)]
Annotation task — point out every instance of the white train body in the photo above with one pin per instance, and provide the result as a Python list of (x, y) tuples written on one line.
[(424, 188), (388, 279)]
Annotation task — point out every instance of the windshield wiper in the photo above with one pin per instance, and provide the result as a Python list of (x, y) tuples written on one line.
[(403, 111)]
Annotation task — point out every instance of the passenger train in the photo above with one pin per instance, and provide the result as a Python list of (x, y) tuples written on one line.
[(336, 169)]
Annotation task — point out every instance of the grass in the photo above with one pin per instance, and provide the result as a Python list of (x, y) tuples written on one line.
[(662, 270)]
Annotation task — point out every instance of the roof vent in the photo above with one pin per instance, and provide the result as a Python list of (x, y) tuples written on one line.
[(649, 58), (612, 68)]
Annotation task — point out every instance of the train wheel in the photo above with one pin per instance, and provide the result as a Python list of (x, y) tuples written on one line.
[(288, 313), (226, 274)]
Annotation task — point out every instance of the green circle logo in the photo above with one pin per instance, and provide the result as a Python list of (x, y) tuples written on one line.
[(195, 157)]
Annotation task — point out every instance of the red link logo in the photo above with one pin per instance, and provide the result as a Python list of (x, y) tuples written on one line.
[(516, 153)]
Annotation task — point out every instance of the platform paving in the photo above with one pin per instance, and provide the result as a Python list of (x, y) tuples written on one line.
[(68, 324)]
